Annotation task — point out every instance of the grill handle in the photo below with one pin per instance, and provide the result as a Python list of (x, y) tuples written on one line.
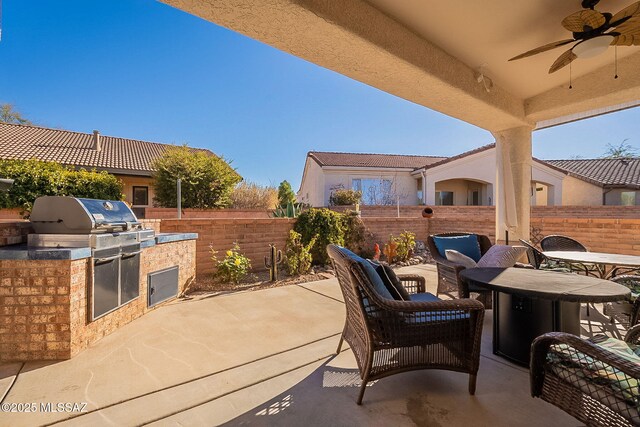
[(105, 259), (130, 254)]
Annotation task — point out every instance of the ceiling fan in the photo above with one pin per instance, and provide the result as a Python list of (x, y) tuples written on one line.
[(593, 32)]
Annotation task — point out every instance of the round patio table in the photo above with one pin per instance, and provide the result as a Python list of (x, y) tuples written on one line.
[(606, 265), (528, 303)]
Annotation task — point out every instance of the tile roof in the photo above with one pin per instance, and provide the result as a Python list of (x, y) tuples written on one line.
[(74, 148), (609, 172), (444, 160), (367, 160)]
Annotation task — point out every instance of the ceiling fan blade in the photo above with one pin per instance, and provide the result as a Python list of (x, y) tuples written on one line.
[(562, 61), (631, 26), (626, 40), (631, 10), (541, 49), (576, 22)]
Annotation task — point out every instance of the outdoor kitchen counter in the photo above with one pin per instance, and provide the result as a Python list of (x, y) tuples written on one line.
[(53, 305), (22, 252)]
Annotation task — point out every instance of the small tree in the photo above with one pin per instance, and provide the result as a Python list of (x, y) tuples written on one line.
[(207, 180), (622, 150), (285, 194), (9, 115)]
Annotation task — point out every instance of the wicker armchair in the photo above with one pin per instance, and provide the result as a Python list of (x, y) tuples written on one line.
[(449, 272), (562, 374), (389, 336), (625, 312)]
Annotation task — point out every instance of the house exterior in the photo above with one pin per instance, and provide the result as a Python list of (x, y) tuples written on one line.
[(613, 181), (466, 179), (128, 159), (382, 178)]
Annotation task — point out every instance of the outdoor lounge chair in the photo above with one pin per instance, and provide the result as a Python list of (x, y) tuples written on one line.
[(596, 380), (449, 272), (389, 336)]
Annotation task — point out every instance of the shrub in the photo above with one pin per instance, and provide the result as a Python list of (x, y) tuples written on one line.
[(391, 250), (406, 244), (342, 197), (207, 180), (233, 267), (325, 226), (35, 178), (298, 255), (354, 233), (285, 194), (249, 195)]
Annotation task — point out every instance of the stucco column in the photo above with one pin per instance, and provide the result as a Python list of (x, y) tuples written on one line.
[(429, 191), (513, 146)]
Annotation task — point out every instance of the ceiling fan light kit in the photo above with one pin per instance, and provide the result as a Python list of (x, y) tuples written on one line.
[(593, 32), (592, 47)]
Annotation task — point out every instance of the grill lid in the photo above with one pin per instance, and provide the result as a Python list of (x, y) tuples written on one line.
[(71, 215)]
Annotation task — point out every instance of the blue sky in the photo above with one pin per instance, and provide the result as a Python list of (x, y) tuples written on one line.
[(141, 69)]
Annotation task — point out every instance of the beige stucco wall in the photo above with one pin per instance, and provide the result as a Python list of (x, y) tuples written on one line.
[(580, 193), (131, 181), (312, 186)]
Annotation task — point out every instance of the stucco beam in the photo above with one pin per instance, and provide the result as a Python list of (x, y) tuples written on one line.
[(593, 94), (355, 39)]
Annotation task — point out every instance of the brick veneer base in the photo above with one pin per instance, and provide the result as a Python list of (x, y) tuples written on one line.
[(44, 304)]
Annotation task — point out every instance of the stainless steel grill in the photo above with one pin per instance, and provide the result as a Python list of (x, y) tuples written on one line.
[(110, 229)]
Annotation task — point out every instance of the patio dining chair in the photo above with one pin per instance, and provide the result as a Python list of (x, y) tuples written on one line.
[(595, 380), (625, 312), (389, 336), (538, 260), (557, 242)]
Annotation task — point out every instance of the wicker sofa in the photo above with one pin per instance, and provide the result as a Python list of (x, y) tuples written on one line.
[(588, 381), (389, 336)]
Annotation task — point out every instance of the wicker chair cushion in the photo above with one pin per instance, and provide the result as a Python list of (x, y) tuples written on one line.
[(591, 375), (372, 274), (460, 259), (394, 287), (422, 317), (424, 297), (467, 245), (502, 256)]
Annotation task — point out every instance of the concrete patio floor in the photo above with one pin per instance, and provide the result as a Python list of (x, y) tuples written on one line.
[(267, 358)]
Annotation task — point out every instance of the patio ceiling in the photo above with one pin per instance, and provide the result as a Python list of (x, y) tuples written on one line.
[(428, 52)]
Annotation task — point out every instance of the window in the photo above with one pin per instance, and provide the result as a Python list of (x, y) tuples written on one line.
[(475, 198), (444, 198), (628, 198), (140, 196), (375, 191)]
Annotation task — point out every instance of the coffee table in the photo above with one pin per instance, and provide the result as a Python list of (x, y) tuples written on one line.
[(606, 265), (528, 303)]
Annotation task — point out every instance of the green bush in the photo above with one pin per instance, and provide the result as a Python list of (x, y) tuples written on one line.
[(207, 180), (344, 197), (354, 233), (35, 178), (406, 244), (233, 267), (325, 226), (298, 255)]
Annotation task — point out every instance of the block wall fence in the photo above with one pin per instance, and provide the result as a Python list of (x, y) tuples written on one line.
[(614, 229)]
